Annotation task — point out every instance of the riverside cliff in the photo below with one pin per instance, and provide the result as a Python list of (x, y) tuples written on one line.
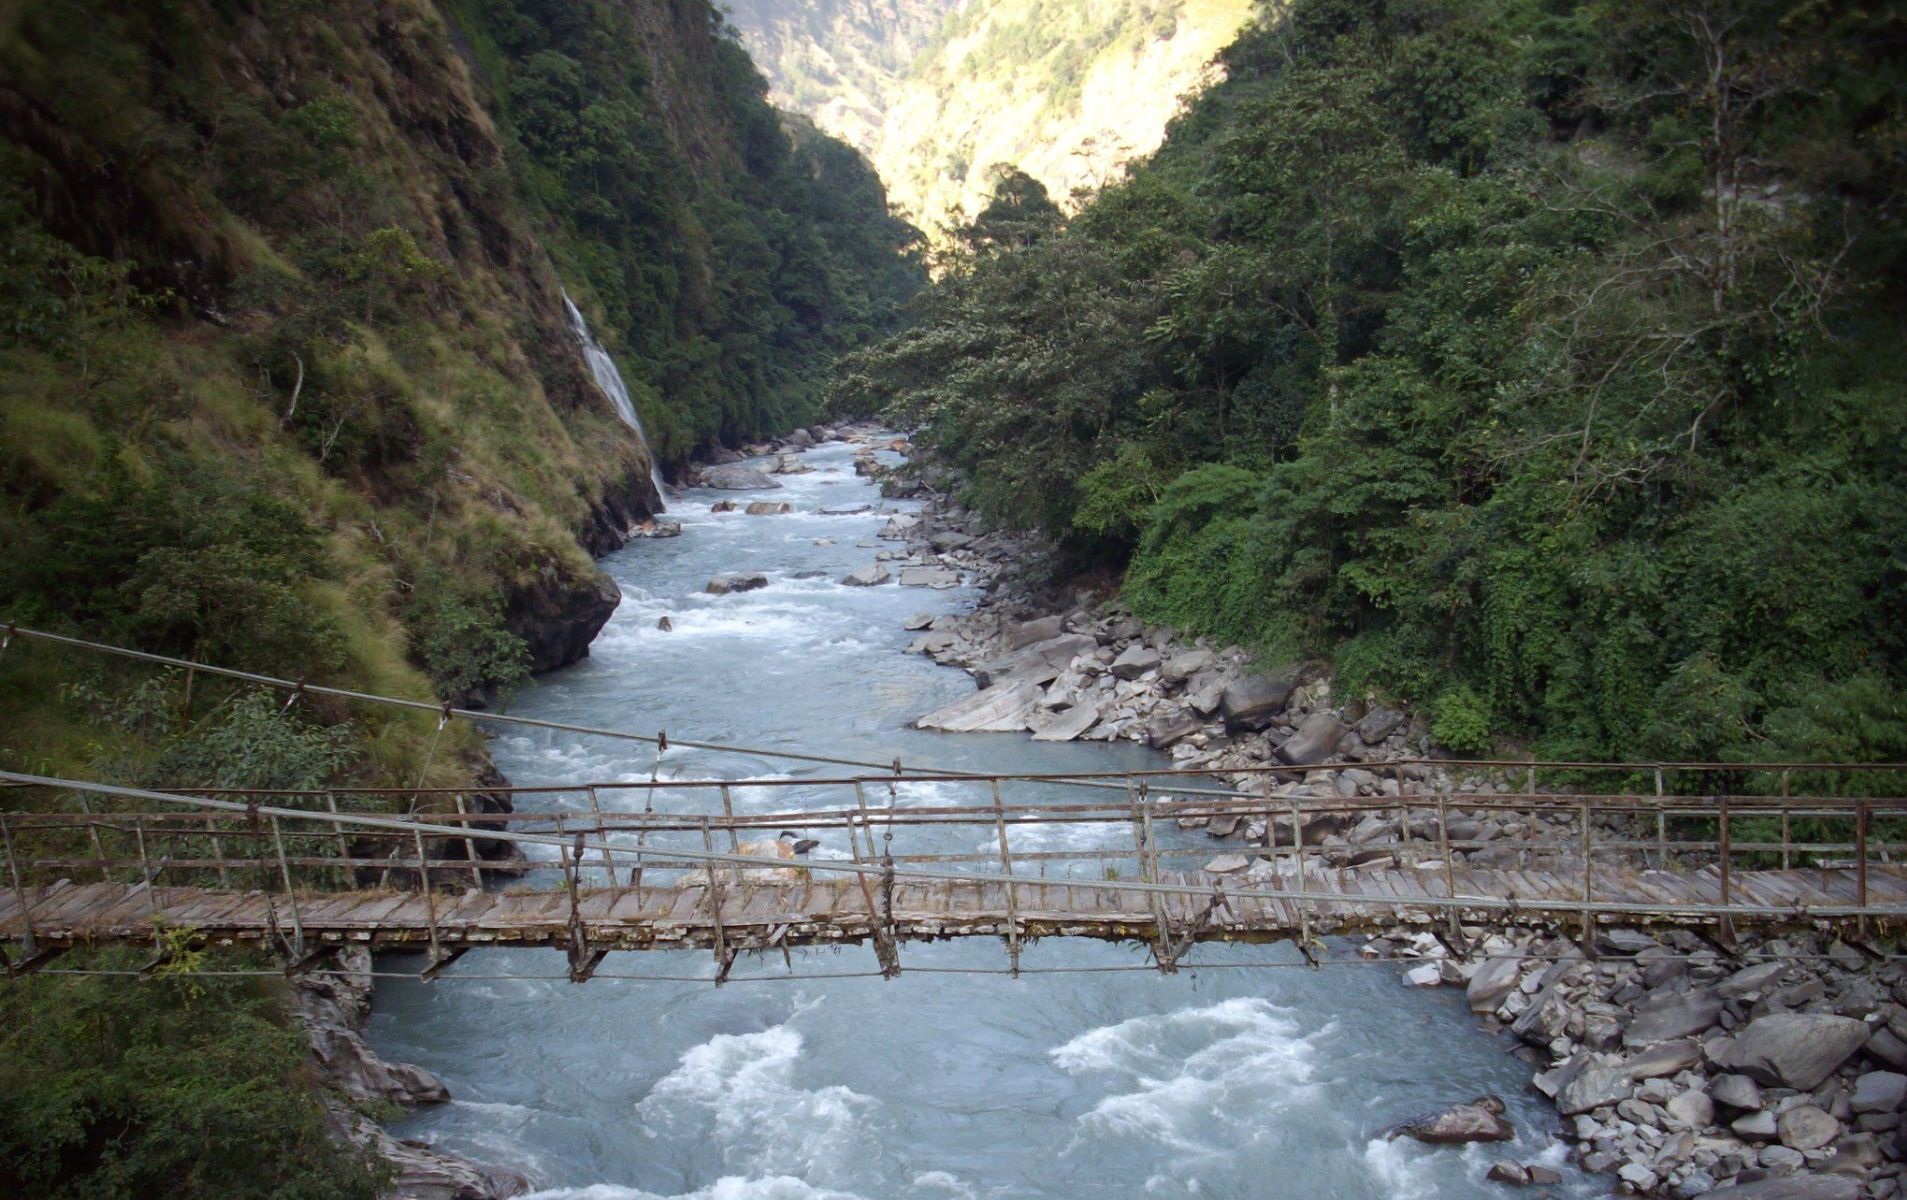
[(287, 384)]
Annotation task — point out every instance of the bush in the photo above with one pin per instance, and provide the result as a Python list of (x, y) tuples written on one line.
[(1461, 720)]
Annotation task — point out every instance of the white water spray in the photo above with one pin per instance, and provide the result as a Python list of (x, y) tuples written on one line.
[(609, 379)]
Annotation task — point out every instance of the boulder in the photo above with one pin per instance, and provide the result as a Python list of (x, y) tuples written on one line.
[(768, 508), (933, 577), (737, 478), (1665, 1058), (1494, 980), (1205, 692), (1513, 1173), (1792, 1050), (1424, 975), (1181, 667), (1004, 708), (1479, 1120), (1757, 978), (1692, 1109), (872, 575), (738, 581), (1806, 1127), (1170, 727), (1227, 864), (945, 540), (1735, 1091), (1068, 725), (1594, 1085), (1879, 1091), (1315, 740), (918, 622), (1669, 1015), (722, 506), (1378, 724), (1028, 632), (1252, 702), (1041, 662), (1794, 1187), (1134, 661)]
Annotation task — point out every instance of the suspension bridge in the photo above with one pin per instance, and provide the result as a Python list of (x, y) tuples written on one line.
[(676, 864)]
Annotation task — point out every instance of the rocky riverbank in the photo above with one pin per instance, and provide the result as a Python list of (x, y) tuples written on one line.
[(1776, 1071), (358, 1089)]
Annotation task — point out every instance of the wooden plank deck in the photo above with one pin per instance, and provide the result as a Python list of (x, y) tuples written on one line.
[(830, 911)]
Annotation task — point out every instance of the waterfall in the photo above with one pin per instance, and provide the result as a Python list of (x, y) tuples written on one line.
[(609, 379)]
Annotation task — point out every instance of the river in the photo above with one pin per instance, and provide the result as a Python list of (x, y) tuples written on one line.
[(1258, 1082)]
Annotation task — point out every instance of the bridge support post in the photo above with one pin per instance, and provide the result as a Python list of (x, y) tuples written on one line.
[(1449, 870), (19, 891), (430, 897), (602, 831), (1860, 866), (1726, 927), (1006, 866), (1589, 883), (723, 959), (291, 893)]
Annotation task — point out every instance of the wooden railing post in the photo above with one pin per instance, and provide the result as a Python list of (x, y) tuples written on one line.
[(1860, 864), (1006, 867), (99, 847), (1449, 868), (1786, 800), (470, 845), (430, 897), (1727, 855), (602, 831), (1661, 825), (19, 889), (291, 893), (722, 960), (337, 829), (1589, 878)]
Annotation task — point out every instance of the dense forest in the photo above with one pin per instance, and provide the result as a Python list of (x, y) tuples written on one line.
[(287, 384), (1535, 362)]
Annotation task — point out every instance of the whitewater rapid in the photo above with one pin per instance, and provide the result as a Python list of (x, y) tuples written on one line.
[(1221, 1081)]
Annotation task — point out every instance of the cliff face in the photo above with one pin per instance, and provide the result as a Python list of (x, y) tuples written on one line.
[(939, 92), (311, 261)]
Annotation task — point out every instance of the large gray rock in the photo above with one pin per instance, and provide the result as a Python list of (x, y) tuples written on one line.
[(739, 581), (1668, 1015), (1793, 1050), (1028, 632), (737, 478), (1757, 978), (1805, 1127), (1003, 708), (872, 575), (768, 508), (1594, 1085), (1183, 666), (1379, 723), (1134, 661), (1205, 692), (1040, 662), (1495, 978), (1068, 725), (1736, 1091), (931, 577), (1315, 740), (1795, 1187), (1252, 702), (1693, 1109), (1666, 1058), (1879, 1091), (1170, 727), (1479, 1120)]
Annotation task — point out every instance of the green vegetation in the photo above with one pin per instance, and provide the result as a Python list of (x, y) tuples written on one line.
[(729, 276), (1536, 361), (177, 1087), (286, 384)]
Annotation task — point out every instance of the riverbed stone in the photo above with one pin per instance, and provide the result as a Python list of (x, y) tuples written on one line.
[(1135, 660), (1755, 1126), (1068, 725), (1494, 980), (1040, 662), (1735, 1091), (1797, 1187), (1185, 665), (768, 508), (929, 577), (1172, 726), (1594, 1084), (1794, 1050), (1806, 1127), (919, 621), (1669, 1015), (1665, 1058), (1693, 1109), (1250, 703), (1478, 1120), (1314, 741), (1003, 708), (1028, 632), (870, 576), (736, 581), (1879, 1091)]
